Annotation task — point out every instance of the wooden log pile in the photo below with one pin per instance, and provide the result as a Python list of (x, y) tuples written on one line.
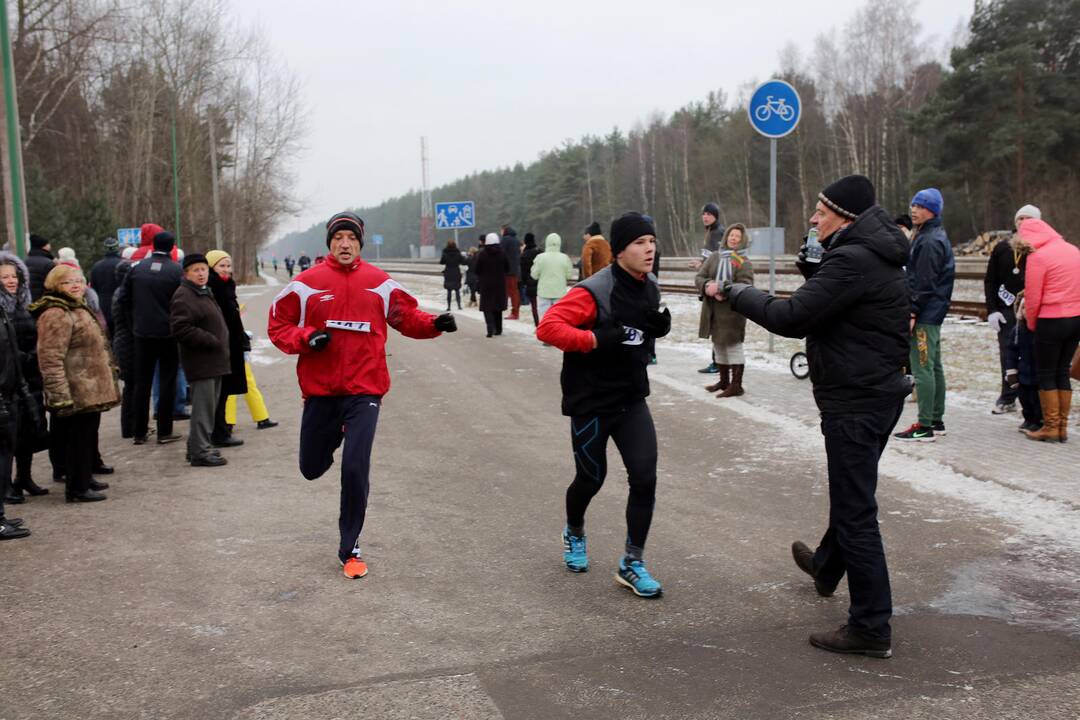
[(984, 243)]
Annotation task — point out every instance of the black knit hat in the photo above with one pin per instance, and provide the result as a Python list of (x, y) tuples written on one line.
[(193, 258), (164, 242), (711, 208), (849, 196), (345, 221), (629, 227), (594, 229), (36, 241)]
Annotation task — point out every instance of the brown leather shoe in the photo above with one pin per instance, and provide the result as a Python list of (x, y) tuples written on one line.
[(846, 640), (804, 559)]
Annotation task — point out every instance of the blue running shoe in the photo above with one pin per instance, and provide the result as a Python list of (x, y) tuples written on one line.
[(633, 575), (574, 554)]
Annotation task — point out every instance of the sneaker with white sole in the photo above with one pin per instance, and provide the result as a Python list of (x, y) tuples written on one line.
[(632, 574), (938, 428), (574, 553), (917, 433)]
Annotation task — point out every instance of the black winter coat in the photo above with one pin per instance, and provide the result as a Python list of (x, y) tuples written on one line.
[(235, 383), (512, 249), (470, 274), (527, 256), (853, 312), (103, 280), (150, 287), (1001, 284), (38, 263), (123, 337), (201, 332), (452, 259), (491, 271)]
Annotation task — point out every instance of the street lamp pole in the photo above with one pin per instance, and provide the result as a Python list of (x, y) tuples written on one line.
[(14, 189)]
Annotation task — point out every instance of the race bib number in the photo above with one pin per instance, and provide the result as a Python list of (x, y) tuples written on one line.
[(633, 336), (350, 325), (1006, 297)]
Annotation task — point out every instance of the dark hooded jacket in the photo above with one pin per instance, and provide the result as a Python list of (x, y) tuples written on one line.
[(512, 249), (148, 290), (103, 280), (39, 263), (235, 383), (853, 312), (123, 337), (528, 255), (31, 429)]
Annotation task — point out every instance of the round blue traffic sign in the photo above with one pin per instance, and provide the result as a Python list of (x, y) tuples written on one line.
[(774, 108)]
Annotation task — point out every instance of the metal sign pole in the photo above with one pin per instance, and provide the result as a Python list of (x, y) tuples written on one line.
[(772, 224)]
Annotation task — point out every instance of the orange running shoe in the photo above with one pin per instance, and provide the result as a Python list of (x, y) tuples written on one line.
[(355, 568)]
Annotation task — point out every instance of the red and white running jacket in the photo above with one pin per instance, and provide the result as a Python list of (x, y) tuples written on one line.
[(356, 304)]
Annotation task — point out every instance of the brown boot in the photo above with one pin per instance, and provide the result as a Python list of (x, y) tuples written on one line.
[(1064, 405), (723, 381), (1051, 408), (735, 389)]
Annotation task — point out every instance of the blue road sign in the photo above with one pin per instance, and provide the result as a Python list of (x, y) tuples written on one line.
[(774, 108), (129, 236), (377, 239), (451, 215)]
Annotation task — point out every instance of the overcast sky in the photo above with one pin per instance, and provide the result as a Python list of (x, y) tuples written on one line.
[(493, 83)]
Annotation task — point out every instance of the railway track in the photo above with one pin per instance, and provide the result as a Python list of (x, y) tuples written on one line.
[(959, 308)]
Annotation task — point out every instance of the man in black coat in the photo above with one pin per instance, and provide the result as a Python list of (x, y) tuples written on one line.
[(148, 292), (103, 278), (853, 311), (511, 248), (39, 261)]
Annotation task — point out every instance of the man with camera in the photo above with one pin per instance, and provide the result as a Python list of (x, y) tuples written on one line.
[(853, 312), (335, 317)]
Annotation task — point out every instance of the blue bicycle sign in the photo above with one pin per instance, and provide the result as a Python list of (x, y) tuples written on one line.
[(774, 108)]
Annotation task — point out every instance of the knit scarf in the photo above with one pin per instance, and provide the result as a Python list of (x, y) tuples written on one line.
[(724, 269)]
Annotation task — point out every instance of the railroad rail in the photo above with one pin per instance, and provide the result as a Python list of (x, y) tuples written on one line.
[(960, 308)]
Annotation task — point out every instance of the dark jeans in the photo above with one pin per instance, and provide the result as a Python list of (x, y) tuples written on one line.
[(78, 438), (1056, 340), (1028, 392), (852, 543), (635, 437), (151, 352), (127, 409), (1009, 355), (493, 319), (325, 423)]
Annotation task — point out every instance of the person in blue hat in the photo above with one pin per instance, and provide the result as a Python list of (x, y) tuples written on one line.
[(931, 270)]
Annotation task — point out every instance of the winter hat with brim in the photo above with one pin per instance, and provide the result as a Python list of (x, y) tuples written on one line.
[(215, 256), (593, 229), (164, 241), (1028, 211), (931, 199), (194, 259), (59, 274), (345, 221), (491, 239), (849, 197), (711, 208), (627, 228), (110, 244)]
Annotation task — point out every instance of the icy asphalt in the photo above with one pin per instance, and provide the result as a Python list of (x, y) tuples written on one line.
[(215, 593)]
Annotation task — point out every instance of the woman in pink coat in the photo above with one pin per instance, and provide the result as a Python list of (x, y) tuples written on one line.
[(1052, 300)]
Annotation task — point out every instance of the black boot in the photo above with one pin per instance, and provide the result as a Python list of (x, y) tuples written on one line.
[(28, 486), (98, 486)]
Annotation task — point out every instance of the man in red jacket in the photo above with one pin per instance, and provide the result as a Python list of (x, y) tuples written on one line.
[(606, 327), (335, 316)]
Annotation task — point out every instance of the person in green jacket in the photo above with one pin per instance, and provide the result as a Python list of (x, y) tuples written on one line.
[(551, 269)]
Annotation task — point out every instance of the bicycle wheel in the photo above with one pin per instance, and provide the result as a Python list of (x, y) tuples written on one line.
[(800, 366), (763, 113)]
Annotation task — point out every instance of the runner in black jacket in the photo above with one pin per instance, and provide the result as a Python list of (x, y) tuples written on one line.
[(853, 311)]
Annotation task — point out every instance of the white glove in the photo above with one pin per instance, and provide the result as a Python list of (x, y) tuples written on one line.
[(995, 320)]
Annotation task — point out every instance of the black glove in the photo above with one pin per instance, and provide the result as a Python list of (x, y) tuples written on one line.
[(319, 340), (609, 337), (446, 323), (804, 266), (657, 324)]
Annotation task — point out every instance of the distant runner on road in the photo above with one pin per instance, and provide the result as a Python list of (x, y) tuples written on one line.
[(606, 326), (334, 316)]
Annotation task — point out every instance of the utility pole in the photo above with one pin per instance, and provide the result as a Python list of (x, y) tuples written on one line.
[(14, 189), (427, 213), (175, 177), (214, 180)]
